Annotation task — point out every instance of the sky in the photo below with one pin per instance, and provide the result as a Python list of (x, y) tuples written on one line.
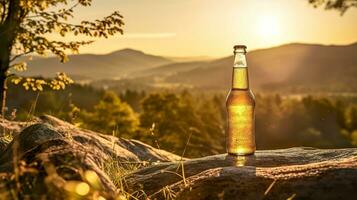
[(212, 27)]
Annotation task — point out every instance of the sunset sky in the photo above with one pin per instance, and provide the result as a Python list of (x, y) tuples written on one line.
[(212, 27)]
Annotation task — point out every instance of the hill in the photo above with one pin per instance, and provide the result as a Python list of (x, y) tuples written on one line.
[(287, 67), (115, 65), (293, 68)]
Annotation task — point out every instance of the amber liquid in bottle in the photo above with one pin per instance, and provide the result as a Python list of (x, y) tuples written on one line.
[(240, 108)]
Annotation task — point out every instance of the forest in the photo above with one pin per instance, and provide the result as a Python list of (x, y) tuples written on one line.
[(193, 122)]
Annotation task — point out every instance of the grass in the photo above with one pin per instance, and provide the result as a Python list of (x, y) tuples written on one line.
[(118, 170)]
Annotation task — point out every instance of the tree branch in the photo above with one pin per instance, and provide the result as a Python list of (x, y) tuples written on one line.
[(340, 5), (53, 13), (19, 55), (4, 10)]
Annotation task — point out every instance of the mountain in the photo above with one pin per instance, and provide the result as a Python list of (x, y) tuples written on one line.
[(115, 65), (286, 67), (292, 68)]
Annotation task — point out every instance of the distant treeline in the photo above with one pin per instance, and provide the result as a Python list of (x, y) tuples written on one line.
[(194, 123)]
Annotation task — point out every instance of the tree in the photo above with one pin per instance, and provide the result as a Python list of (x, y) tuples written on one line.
[(351, 118), (25, 27), (111, 115), (340, 5), (182, 124), (163, 116)]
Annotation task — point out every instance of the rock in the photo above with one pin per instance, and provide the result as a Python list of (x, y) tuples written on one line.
[(29, 138), (120, 148), (55, 149), (7, 129), (110, 146), (299, 173)]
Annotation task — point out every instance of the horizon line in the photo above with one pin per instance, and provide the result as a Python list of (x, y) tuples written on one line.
[(193, 56)]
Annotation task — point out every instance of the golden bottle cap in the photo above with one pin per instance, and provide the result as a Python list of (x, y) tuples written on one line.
[(240, 47)]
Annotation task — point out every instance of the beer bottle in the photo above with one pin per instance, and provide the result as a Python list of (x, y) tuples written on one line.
[(240, 136)]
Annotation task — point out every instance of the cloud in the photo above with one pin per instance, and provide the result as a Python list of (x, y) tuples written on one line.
[(148, 35)]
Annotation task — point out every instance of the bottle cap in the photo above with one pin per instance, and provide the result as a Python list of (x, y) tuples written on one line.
[(239, 47)]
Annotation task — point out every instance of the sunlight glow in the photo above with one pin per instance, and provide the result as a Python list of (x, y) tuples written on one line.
[(268, 26), (215, 26)]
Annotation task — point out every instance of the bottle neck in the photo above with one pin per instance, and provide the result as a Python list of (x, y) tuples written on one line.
[(240, 72)]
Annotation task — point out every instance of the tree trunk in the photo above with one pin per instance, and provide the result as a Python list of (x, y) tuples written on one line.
[(3, 93), (8, 33), (5, 51)]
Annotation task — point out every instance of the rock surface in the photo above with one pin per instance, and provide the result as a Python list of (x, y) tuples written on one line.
[(60, 152), (131, 150), (299, 173)]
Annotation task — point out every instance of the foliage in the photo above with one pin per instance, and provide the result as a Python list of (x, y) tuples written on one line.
[(311, 121), (133, 98), (175, 121), (40, 18), (27, 26), (59, 103), (33, 84), (111, 116), (194, 123), (340, 5)]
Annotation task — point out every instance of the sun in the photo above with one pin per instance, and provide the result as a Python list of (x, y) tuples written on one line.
[(268, 26)]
